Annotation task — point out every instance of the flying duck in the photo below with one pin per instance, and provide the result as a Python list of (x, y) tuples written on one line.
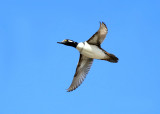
[(89, 50)]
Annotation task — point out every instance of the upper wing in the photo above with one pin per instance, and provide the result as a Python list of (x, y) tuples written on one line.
[(82, 69), (99, 36)]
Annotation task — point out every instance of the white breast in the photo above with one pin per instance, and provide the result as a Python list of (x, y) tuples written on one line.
[(91, 51)]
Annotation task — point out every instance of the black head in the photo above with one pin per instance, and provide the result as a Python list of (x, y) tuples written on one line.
[(69, 43)]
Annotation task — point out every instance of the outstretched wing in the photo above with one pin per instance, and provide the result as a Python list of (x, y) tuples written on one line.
[(82, 70), (99, 36)]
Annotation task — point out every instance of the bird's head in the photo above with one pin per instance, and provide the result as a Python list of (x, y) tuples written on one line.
[(68, 43)]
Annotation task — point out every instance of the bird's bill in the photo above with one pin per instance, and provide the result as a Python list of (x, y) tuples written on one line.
[(60, 42)]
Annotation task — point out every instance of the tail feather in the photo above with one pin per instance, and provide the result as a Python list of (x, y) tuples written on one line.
[(112, 58)]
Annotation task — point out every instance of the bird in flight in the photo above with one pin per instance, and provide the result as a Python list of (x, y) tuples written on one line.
[(89, 50)]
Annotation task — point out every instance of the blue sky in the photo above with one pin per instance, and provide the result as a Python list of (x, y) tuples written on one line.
[(35, 71)]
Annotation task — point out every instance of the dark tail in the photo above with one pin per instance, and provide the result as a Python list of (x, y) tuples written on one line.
[(112, 58)]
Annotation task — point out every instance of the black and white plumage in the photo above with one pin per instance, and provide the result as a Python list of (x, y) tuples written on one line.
[(89, 50)]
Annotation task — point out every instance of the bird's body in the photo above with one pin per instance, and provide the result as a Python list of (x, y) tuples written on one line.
[(89, 50)]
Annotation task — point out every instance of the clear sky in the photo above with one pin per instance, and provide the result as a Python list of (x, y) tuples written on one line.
[(35, 71)]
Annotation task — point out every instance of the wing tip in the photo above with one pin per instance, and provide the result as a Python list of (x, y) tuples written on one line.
[(102, 24), (71, 89)]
